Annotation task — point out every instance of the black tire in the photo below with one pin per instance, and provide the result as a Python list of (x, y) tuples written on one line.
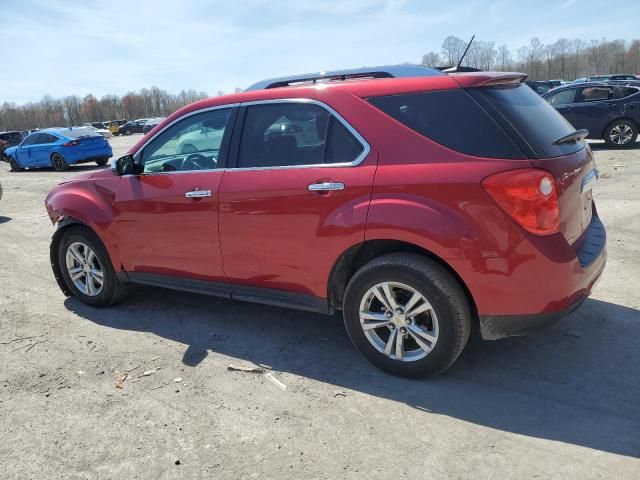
[(128, 132), (58, 162), (436, 284), (102, 161), (112, 289), (613, 134), (14, 164)]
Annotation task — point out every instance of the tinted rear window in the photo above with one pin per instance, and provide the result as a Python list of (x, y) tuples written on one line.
[(537, 122), (453, 119)]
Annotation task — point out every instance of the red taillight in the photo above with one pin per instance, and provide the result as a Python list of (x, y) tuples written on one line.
[(72, 143), (529, 196)]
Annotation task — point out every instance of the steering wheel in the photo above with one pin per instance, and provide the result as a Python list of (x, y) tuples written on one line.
[(190, 162)]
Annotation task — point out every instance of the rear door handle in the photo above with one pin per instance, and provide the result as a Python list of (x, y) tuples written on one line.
[(326, 186), (198, 194)]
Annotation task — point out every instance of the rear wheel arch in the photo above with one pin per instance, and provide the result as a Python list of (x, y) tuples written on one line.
[(358, 255)]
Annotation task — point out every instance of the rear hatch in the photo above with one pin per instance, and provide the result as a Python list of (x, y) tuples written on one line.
[(536, 127)]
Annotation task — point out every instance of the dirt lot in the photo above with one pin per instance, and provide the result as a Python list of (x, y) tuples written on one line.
[(563, 405)]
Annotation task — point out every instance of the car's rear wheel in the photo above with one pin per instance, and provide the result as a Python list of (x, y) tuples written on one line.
[(407, 314), (102, 161), (87, 270), (58, 162), (621, 133), (14, 164)]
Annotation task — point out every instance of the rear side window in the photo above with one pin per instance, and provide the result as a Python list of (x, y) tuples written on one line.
[(595, 94), (624, 92), (46, 138), (537, 122), (294, 134), (451, 118)]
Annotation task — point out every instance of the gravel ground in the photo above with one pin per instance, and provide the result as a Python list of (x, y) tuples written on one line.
[(142, 390)]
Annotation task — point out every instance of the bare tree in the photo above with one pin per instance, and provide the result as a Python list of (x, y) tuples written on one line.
[(504, 59), (452, 49), (431, 59)]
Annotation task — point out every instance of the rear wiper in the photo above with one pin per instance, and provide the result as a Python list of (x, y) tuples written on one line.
[(572, 137)]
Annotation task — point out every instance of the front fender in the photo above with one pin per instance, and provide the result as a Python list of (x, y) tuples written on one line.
[(86, 204)]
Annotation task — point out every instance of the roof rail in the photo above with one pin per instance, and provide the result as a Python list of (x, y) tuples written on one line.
[(390, 71)]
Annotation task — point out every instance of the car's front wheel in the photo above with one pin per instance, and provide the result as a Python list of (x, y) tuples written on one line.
[(102, 161), (86, 268), (14, 164), (407, 314), (58, 162), (621, 133)]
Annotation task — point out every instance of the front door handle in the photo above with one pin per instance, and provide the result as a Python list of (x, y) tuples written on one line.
[(198, 194), (326, 186)]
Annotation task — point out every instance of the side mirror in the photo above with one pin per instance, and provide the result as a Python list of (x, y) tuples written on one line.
[(125, 165)]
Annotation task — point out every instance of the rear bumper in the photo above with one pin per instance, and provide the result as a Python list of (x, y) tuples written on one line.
[(543, 280), (495, 327)]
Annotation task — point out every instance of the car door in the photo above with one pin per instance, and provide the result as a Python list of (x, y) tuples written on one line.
[(563, 101), (167, 216), (41, 151), (24, 151), (594, 108), (294, 198)]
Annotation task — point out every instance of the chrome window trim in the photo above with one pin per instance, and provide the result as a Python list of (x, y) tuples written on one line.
[(357, 161), (366, 148), (137, 155)]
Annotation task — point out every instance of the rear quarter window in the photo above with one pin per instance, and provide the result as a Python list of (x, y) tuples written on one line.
[(451, 118), (536, 122)]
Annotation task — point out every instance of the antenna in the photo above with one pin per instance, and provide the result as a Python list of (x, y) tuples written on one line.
[(464, 54)]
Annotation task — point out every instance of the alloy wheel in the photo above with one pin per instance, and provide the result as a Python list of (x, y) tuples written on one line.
[(58, 162), (399, 321), (84, 269), (621, 134)]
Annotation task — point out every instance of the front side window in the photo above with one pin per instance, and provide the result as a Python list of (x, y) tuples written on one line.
[(294, 134), (31, 140), (562, 98), (192, 143)]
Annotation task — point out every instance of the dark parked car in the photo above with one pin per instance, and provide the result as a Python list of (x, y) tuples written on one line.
[(134, 126), (541, 87), (608, 112), (9, 139), (149, 124), (605, 78)]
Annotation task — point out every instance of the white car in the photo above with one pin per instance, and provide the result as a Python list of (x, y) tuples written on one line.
[(202, 140)]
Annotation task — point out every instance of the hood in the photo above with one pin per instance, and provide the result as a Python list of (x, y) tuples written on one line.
[(104, 173)]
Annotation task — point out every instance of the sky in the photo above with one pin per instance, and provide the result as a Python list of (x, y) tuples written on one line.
[(72, 47)]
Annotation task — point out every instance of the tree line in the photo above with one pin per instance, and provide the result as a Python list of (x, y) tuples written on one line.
[(74, 110), (564, 59)]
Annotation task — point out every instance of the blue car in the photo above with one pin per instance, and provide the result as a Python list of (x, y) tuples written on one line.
[(609, 112), (59, 148)]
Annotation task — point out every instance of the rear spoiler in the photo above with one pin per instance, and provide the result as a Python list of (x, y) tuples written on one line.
[(489, 79)]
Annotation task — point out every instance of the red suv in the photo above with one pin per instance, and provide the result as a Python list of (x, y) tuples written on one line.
[(422, 207)]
